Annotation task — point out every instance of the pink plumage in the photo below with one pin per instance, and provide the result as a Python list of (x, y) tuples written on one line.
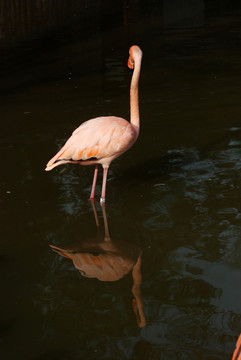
[(103, 139), (237, 351)]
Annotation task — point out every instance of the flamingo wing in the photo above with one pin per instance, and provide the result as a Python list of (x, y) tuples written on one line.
[(97, 140)]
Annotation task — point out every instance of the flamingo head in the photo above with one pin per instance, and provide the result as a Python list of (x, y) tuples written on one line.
[(134, 52)]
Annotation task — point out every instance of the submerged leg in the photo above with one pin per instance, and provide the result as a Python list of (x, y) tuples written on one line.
[(92, 195), (107, 234), (105, 171), (95, 212)]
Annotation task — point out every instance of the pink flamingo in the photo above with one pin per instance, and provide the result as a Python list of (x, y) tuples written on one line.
[(101, 140), (237, 351)]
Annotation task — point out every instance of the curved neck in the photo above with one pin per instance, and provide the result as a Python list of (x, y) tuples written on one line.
[(134, 97)]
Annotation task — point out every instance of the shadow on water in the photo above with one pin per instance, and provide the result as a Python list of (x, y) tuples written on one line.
[(173, 200)]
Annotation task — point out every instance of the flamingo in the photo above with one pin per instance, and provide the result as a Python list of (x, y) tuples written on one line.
[(237, 351), (103, 139)]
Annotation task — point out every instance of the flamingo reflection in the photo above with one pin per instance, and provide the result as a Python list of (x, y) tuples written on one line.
[(108, 260)]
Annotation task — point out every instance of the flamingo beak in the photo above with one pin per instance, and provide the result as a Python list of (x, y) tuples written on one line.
[(130, 64)]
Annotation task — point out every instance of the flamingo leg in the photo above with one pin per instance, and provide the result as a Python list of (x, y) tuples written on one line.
[(105, 171), (107, 234), (92, 195), (95, 212)]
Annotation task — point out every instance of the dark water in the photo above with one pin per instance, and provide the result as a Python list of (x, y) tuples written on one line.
[(173, 207)]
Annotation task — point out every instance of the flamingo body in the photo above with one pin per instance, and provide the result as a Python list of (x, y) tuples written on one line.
[(96, 141), (103, 139)]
